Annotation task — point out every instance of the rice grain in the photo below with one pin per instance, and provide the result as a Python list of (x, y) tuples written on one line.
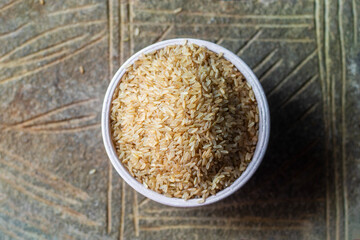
[(184, 121)]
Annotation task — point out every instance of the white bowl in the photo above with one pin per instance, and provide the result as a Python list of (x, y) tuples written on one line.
[(264, 126)]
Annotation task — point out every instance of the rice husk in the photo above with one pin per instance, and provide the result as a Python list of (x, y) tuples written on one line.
[(184, 121)]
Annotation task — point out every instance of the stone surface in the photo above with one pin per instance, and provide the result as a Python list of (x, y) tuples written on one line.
[(57, 57)]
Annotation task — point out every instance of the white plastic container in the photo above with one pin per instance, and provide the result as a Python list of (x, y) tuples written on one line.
[(264, 126)]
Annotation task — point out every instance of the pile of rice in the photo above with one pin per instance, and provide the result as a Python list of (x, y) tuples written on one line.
[(184, 121)]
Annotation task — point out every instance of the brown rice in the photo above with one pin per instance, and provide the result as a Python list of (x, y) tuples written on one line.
[(184, 121)]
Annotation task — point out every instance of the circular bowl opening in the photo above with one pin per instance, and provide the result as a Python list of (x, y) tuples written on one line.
[(263, 136)]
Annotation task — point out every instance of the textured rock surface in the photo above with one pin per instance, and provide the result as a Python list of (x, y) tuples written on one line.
[(57, 58)]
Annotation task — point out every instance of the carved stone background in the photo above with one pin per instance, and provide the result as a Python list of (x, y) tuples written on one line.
[(57, 57)]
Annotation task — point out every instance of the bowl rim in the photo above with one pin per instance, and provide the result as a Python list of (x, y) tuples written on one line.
[(261, 146)]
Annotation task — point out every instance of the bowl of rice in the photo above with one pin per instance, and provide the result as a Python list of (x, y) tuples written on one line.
[(185, 122)]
